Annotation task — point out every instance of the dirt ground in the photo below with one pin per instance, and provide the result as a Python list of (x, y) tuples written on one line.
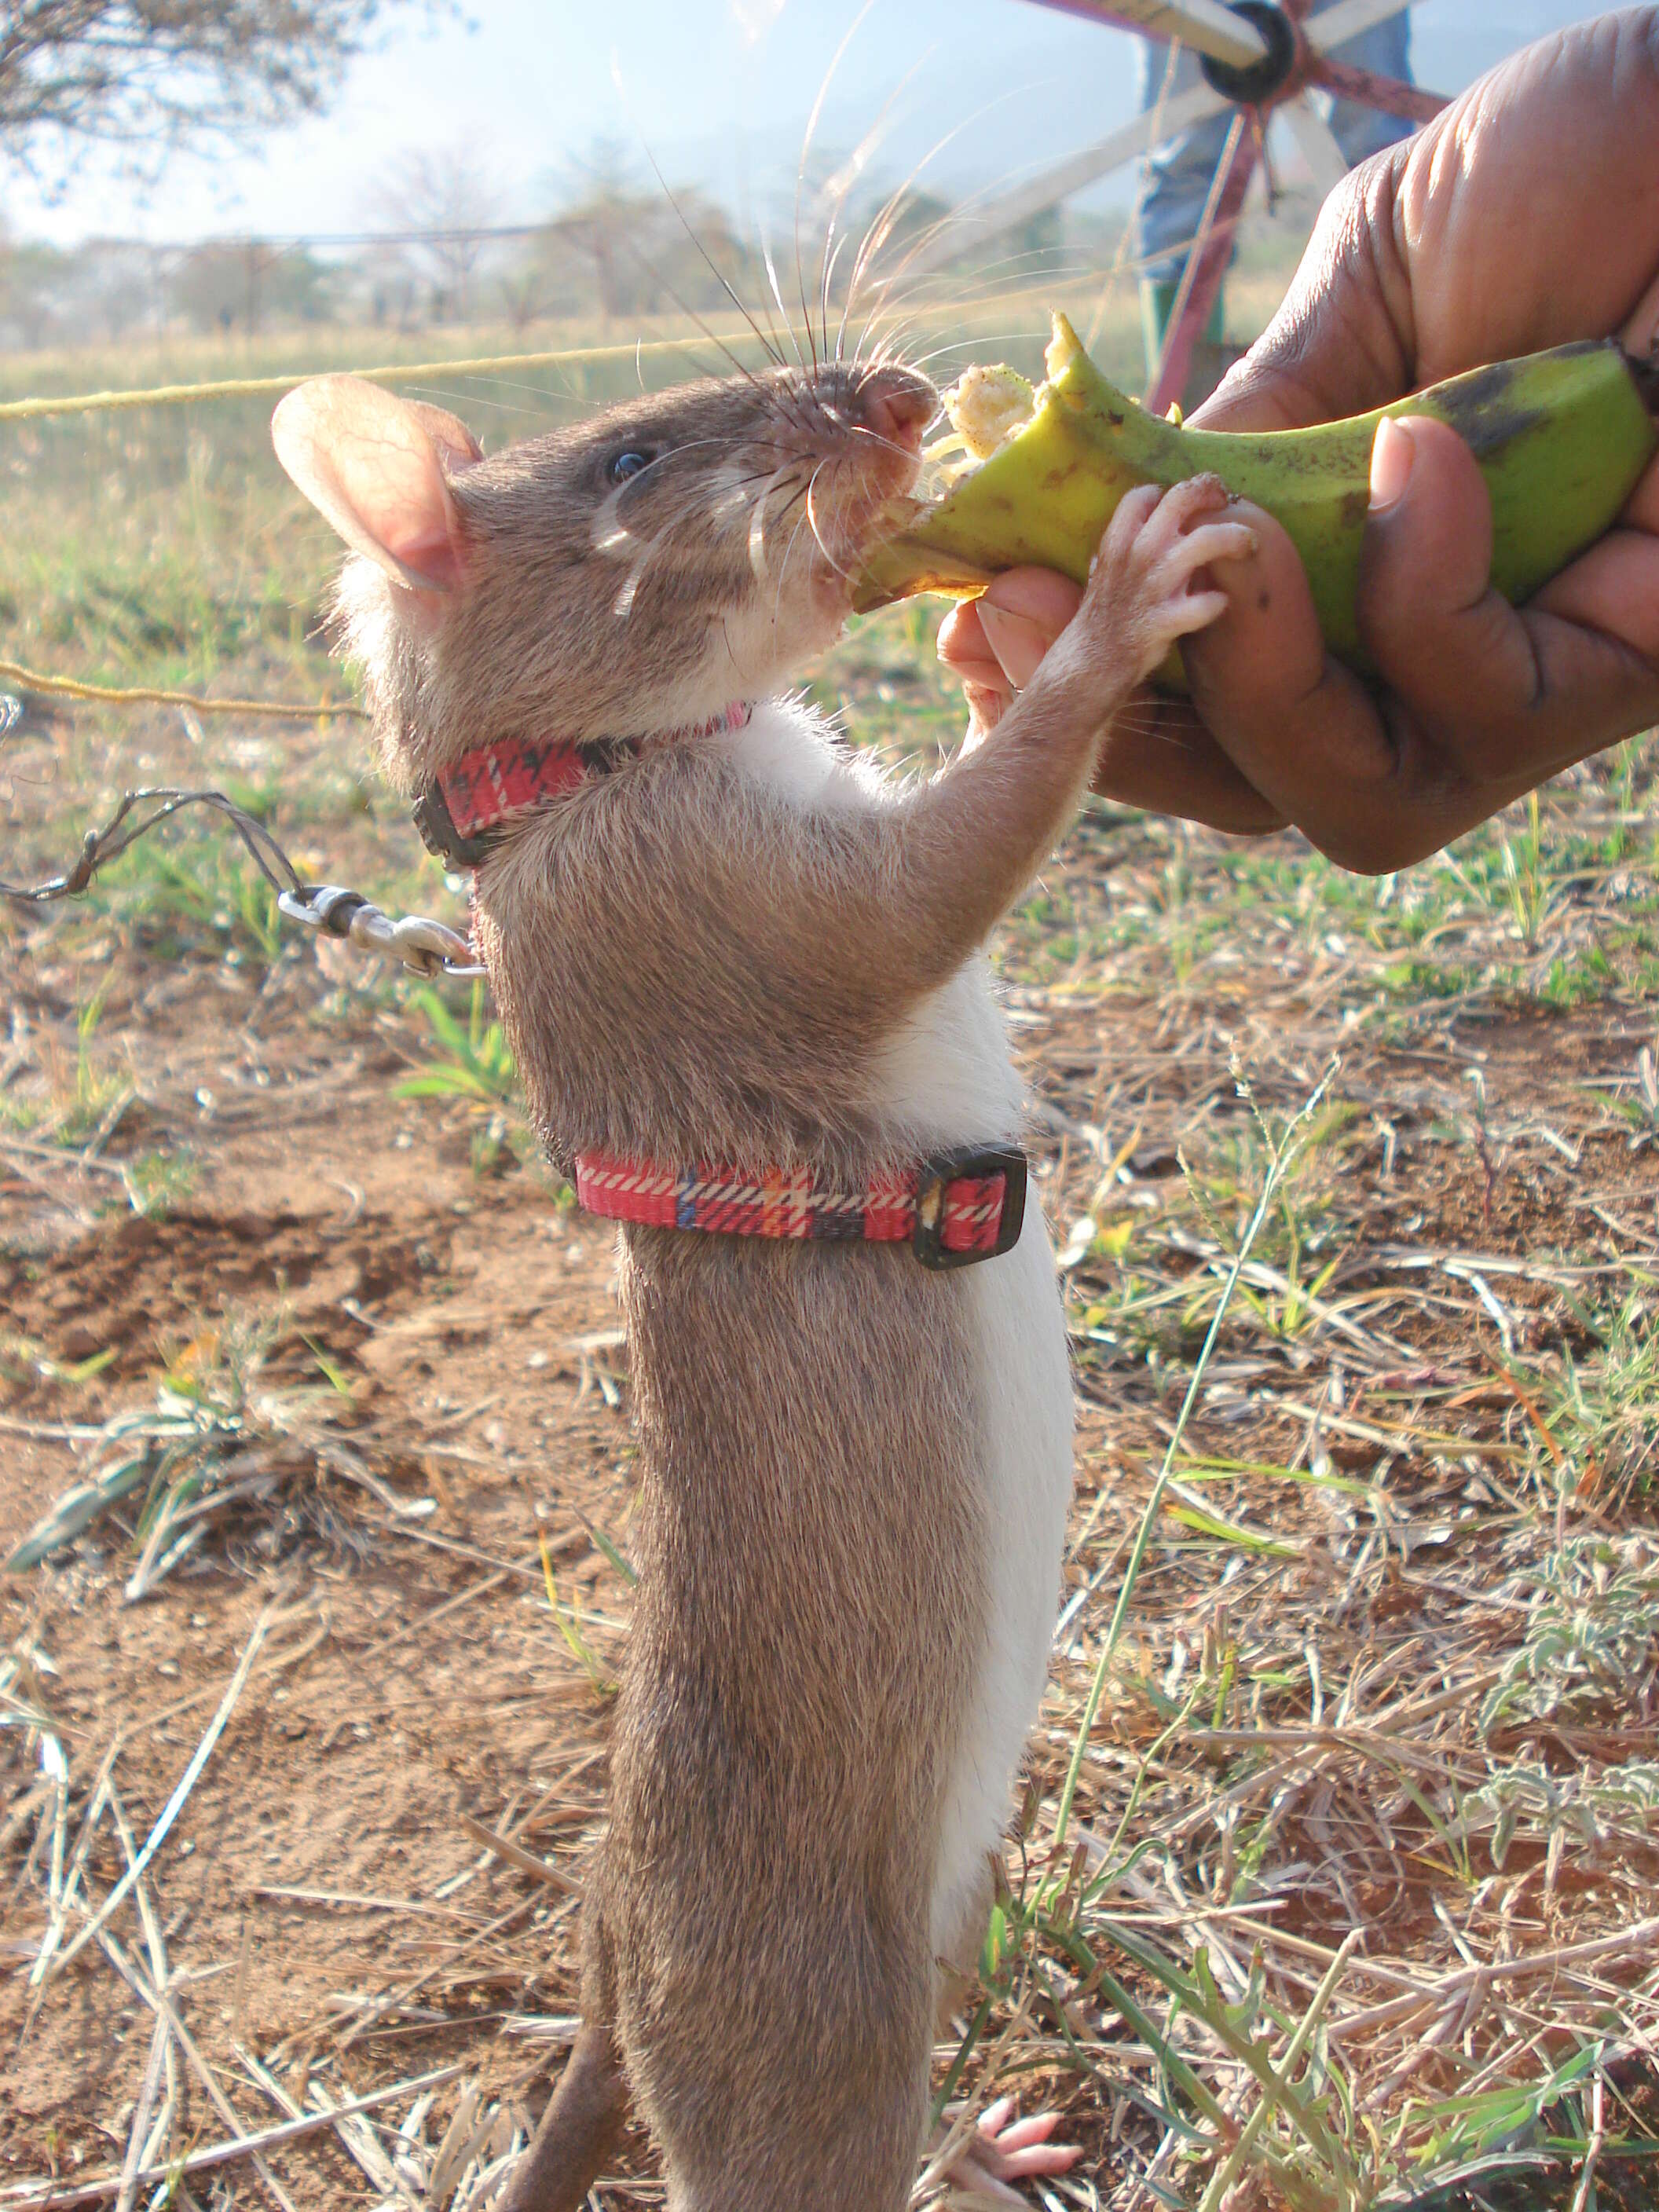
[(411, 1681), (411, 1677), (375, 1873)]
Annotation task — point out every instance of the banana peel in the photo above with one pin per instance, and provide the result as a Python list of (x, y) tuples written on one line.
[(1561, 438)]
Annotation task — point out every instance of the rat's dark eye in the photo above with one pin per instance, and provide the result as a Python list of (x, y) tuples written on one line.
[(629, 463)]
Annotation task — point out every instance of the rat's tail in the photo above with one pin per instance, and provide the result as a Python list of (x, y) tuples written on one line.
[(585, 2115)]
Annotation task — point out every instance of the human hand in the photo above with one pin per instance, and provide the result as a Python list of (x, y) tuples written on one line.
[(1487, 235)]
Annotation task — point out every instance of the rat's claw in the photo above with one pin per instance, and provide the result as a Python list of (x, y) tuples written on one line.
[(1011, 2148), (1005, 2149)]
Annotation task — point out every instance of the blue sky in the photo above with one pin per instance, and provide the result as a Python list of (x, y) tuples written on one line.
[(720, 90)]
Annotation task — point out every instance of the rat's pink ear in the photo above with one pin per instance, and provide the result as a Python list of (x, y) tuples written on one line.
[(370, 462), (449, 432)]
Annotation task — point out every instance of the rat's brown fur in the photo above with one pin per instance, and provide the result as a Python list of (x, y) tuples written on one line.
[(693, 965)]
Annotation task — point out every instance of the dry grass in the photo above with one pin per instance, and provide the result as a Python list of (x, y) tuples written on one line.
[(1336, 1880)]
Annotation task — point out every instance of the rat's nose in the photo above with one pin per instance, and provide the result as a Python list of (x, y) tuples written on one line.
[(898, 404)]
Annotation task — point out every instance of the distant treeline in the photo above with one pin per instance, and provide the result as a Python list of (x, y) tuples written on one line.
[(440, 253)]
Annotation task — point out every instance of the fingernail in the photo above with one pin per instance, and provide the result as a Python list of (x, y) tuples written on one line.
[(1392, 451), (1019, 645)]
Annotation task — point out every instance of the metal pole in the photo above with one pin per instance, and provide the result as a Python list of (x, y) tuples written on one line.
[(1205, 25), (987, 219), (1409, 101), (1207, 264)]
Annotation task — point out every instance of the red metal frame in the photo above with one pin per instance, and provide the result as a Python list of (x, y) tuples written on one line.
[(1371, 90), (1207, 262), (1210, 250)]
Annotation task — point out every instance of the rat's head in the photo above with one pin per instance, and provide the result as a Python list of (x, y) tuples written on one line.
[(634, 573)]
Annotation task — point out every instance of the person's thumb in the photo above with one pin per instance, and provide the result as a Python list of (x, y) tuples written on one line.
[(1022, 613), (1443, 639)]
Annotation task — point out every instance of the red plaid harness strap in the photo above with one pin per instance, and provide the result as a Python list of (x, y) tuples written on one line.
[(952, 1210)]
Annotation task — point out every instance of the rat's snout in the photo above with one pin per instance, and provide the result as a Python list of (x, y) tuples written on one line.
[(859, 451), (897, 405)]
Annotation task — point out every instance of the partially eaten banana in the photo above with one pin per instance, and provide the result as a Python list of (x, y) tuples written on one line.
[(987, 406), (1561, 438)]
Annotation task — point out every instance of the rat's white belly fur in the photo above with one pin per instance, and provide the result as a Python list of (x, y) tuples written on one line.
[(947, 1073), (1025, 1380), (946, 1078)]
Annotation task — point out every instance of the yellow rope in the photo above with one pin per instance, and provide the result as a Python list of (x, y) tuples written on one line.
[(254, 387), (65, 687)]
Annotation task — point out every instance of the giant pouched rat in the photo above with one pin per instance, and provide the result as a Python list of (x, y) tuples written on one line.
[(740, 943)]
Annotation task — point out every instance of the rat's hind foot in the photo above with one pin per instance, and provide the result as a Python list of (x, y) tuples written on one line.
[(585, 2115), (1002, 2150)]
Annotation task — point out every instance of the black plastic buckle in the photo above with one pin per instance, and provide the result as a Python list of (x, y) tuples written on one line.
[(440, 835), (927, 1239)]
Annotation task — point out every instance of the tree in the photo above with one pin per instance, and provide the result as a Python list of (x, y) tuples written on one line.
[(31, 283), (156, 73), (445, 201), (221, 287), (645, 250), (113, 289), (605, 213)]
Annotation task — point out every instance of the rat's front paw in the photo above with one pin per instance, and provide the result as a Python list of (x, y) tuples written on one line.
[(1004, 2150), (1144, 577)]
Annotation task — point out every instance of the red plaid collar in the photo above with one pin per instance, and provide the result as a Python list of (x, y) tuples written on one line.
[(475, 795), (952, 1210)]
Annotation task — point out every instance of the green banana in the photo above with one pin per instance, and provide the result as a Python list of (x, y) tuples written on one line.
[(1561, 438)]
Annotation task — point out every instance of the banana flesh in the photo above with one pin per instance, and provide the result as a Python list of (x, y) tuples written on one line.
[(1561, 438)]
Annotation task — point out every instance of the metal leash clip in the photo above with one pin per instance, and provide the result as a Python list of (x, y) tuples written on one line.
[(429, 947)]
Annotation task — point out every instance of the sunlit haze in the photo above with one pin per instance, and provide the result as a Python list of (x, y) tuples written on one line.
[(719, 94)]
